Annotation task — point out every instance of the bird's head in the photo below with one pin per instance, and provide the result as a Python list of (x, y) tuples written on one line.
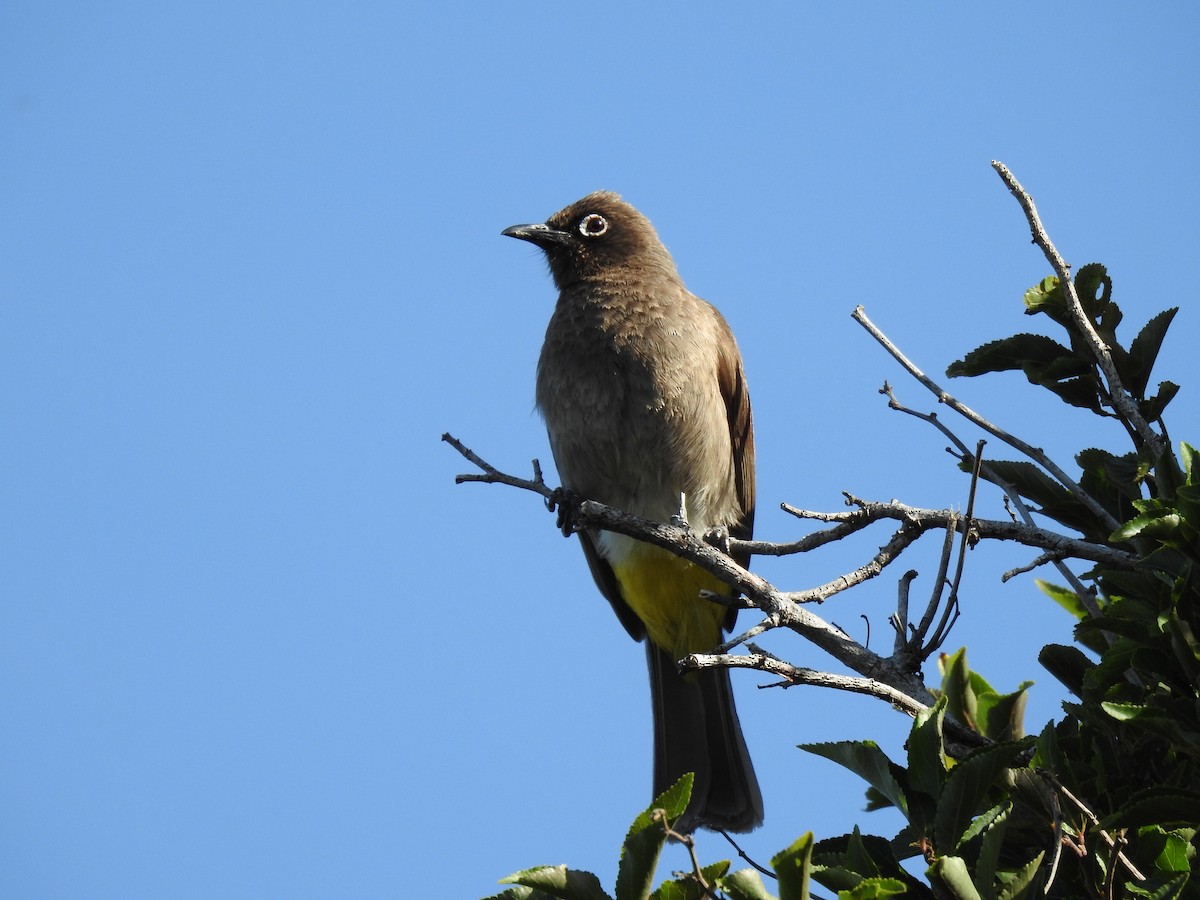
[(596, 235)]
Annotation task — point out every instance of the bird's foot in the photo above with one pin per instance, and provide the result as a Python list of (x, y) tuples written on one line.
[(566, 503), (718, 537)]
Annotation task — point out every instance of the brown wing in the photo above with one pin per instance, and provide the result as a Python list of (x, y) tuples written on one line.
[(731, 377)]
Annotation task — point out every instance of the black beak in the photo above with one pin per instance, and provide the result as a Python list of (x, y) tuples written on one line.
[(542, 235)]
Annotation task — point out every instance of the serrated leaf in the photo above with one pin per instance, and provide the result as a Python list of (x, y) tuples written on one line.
[(793, 868), (1068, 664), (1188, 455), (967, 788), (1027, 480), (1045, 296), (560, 882), (874, 889), (688, 888), (520, 893), (952, 874), (1143, 352), (745, 884), (1007, 354), (1025, 882), (926, 753), (1064, 597), (1003, 715), (1154, 522), (1163, 806), (1093, 286), (866, 760), (1078, 392), (1175, 851), (1171, 889), (1187, 500), (991, 825), (1152, 407), (957, 687), (645, 839)]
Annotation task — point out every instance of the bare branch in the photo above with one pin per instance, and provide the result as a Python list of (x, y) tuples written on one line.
[(917, 643), (1038, 456), (1011, 496), (795, 676), (1122, 400), (492, 475), (1037, 562), (887, 554), (900, 616), (951, 612), (985, 529)]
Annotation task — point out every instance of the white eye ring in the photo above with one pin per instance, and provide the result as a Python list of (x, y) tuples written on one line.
[(593, 225)]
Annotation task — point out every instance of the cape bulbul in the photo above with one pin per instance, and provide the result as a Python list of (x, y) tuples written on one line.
[(642, 389)]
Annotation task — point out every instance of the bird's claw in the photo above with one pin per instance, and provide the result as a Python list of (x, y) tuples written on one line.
[(718, 537), (566, 504)]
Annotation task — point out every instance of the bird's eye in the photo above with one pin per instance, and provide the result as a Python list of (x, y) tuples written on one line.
[(593, 225)]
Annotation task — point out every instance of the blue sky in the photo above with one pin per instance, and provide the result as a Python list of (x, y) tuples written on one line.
[(254, 642)]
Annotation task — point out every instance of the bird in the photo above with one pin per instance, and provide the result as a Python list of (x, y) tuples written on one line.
[(643, 392)]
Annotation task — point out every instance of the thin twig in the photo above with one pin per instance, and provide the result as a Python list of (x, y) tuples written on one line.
[(1036, 563), (1038, 456), (951, 612), (1121, 398), (742, 853), (899, 618), (797, 676), (1011, 496), (1030, 535), (1091, 817), (917, 643), (887, 554), (492, 475)]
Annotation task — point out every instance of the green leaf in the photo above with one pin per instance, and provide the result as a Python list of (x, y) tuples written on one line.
[(1188, 455), (644, 842), (520, 893), (1166, 890), (966, 790), (1165, 806), (1021, 351), (952, 874), (1152, 407), (926, 756), (1156, 521), (1064, 597), (745, 884), (1026, 883), (688, 888), (1174, 848), (1003, 715), (1046, 296), (793, 868), (865, 759), (1143, 352), (957, 687), (992, 826), (1094, 289), (1029, 481), (559, 882), (1125, 712), (1068, 664), (874, 888)]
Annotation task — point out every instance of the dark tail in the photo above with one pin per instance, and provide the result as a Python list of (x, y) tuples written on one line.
[(696, 729)]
